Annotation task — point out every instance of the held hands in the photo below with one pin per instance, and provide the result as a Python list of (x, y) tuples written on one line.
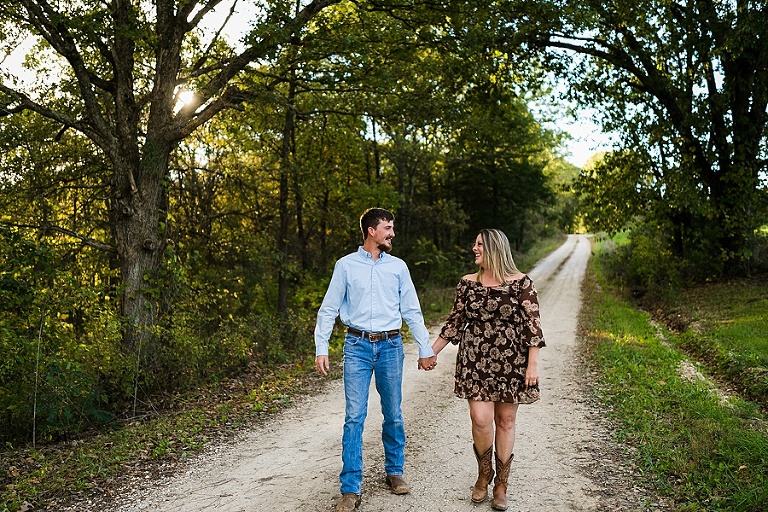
[(425, 363), (428, 363)]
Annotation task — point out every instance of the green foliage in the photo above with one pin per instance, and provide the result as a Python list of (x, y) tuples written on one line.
[(704, 451), (610, 195), (563, 214), (645, 265), (49, 385), (649, 264), (435, 267), (499, 179), (676, 83)]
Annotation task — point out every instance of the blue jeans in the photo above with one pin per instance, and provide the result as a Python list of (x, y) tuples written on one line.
[(384, 360)]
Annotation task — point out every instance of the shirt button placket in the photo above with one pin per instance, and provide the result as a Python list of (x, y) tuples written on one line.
[(374, 298)]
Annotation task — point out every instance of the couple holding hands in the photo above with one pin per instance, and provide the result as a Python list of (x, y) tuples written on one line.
[(494, 320)]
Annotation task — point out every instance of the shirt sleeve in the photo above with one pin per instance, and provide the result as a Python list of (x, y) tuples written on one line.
[(329, 309), (454, 325), (410, 310), (529, 300)]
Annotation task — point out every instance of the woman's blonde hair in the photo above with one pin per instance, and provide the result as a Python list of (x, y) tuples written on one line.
[(497, 255)]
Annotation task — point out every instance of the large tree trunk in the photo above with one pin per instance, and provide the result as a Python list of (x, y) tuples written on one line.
[(140, 233)]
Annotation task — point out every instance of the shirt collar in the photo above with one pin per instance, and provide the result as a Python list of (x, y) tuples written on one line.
[(368, 256)]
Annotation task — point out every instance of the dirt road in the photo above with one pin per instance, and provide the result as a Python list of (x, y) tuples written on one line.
[(563, 457)]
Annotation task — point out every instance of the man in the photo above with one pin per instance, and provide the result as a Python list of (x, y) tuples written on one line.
[(373, 293)]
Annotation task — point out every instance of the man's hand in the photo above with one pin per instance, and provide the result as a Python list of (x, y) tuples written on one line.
[(427, 363), (321, 363)]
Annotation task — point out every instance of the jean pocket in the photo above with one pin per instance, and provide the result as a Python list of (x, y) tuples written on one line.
[(397, 341)]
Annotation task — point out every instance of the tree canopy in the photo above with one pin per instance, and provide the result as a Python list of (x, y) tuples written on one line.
[(684, 83)]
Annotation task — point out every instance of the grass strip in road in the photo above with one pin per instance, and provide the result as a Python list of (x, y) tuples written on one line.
[(702, 450)]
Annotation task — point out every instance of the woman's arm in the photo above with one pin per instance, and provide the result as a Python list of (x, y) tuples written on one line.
[(439, 344)]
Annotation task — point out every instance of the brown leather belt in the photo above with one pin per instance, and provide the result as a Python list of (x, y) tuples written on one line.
[(373, 336)]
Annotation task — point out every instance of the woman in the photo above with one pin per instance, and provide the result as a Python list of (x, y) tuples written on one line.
[(495, 321)]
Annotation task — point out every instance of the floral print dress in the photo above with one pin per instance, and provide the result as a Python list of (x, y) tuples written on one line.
[(494, 326)]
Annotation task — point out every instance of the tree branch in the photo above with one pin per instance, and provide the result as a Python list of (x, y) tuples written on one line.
[(188, 119), (43, 17), (47, 226), (26, 103)]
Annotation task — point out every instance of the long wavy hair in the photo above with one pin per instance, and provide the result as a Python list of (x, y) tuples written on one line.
[(497, 255)]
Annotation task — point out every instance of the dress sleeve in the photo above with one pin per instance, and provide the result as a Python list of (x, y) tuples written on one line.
[(454, 326), (529, 300)]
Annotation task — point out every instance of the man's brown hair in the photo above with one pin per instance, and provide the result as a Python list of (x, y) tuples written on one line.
[(371, 218)]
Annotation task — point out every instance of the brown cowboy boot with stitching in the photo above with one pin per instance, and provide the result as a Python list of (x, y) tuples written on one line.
[(500, 485), (397, 484), (484, 474), (348, 502)]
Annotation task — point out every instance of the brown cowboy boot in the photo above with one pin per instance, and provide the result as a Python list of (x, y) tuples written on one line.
[(348, 502), (484, 475), (397, 484), (500, 485)]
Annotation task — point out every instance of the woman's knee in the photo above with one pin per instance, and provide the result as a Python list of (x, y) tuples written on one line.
[(481, 417), (505, 417)]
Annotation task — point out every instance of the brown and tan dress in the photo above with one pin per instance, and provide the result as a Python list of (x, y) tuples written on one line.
[(494, 326)]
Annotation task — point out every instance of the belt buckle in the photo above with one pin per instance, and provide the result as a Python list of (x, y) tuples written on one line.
[(377, 336)]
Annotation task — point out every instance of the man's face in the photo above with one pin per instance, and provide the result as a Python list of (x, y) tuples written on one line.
[(383, 235)]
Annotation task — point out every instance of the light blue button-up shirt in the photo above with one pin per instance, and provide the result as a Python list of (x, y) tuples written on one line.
[(371, 296)]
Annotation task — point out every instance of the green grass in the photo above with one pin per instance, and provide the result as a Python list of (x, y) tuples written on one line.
[(702, 450), (725, 325)]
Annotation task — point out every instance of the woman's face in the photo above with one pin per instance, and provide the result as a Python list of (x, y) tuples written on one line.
[(478, 250)]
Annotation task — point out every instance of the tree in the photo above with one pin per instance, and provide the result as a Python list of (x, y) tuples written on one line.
[(685, 83), (123, 71)]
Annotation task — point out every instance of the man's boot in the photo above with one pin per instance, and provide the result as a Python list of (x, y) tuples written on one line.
[(500, 485), (397, 484), (348, 502), (484, 474)]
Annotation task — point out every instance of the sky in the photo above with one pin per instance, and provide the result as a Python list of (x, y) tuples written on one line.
[(586, 139)]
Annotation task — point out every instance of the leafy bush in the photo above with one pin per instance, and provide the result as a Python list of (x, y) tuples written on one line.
[(438, 268), (48, 386), (645, 264)]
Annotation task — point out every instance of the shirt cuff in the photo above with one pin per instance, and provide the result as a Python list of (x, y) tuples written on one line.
[(425, 351)]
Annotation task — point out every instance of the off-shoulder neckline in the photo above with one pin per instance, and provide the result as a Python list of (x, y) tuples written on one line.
[(519, 279)]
